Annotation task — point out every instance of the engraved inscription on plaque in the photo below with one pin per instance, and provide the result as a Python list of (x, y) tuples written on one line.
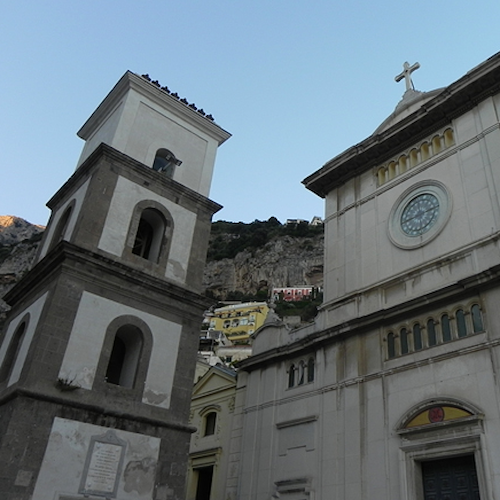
[(103, 465)]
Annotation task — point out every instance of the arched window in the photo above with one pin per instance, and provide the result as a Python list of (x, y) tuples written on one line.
[(391, 345), (12, 352), (210, 421), (461, 326), (301, 374), (445, 328), (291, 376), (417, 337), (149, 236), (431, 333), (310, 370), (125, 355), (165, 161), (404, 340), (61, 227), (477, 320)]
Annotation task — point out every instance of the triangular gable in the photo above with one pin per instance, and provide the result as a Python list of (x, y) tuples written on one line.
[(215, 380)]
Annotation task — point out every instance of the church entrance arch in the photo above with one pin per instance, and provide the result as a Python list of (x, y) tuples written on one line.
[(442, 452)]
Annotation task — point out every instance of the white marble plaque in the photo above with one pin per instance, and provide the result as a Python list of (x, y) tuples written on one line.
[(103, 467)]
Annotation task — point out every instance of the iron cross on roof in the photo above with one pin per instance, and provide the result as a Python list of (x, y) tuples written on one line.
[(406, 74)]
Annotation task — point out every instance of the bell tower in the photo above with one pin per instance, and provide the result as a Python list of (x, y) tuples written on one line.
[(97, 356)]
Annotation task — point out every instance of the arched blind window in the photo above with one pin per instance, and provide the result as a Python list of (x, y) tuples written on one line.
[(12, 352), (61, 227)]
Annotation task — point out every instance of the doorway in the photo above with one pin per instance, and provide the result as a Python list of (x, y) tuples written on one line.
[(204, 486), (450, 479)]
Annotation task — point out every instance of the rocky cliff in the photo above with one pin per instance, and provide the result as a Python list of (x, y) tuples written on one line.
[(18, 245), (283, 261), (264, 255), (14, 230)]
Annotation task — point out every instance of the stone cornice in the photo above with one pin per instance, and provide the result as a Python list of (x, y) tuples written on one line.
[(132, 81), (146, 416), (97, 269), (461, 96)]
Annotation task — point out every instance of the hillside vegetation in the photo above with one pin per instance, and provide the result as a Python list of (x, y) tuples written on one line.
[(227, 239)]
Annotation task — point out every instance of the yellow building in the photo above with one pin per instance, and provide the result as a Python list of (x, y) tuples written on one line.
[(239, 321)]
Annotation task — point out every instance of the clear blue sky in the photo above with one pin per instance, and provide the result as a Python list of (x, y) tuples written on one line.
[(295, 82)]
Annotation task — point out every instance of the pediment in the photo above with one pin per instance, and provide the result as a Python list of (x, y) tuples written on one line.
[(215, 380)]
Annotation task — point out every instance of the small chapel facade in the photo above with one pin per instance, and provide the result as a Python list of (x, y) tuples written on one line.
[(393, 392), (98, 354)]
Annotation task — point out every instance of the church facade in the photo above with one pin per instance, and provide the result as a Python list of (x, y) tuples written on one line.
[(393, 392), (98, 354)]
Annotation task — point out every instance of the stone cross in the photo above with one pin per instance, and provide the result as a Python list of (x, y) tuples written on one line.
[(406, 74)]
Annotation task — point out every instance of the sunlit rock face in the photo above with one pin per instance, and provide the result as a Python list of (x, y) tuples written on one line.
[(15, 230)]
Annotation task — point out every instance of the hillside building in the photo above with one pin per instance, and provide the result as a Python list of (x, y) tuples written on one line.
[(316, 221), (393, 392), (98, 354), (237, 321), (293, 293)]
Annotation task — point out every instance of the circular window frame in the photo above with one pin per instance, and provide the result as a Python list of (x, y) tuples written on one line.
[(396, 233)]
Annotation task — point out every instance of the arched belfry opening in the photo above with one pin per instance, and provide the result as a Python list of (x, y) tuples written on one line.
[(149, 236), (125, 355), (165, 161)]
